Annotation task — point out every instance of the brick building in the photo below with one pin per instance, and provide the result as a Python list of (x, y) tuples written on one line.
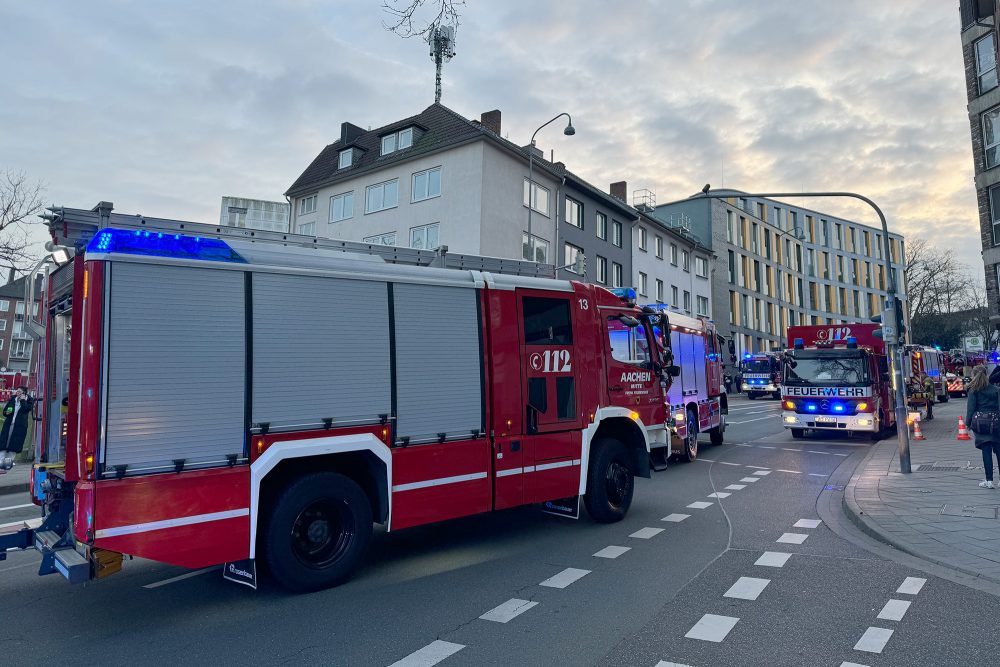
[(17, 348)]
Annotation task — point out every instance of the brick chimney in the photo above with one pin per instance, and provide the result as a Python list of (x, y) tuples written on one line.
[(349, 132), (491, 120), (619, 190)]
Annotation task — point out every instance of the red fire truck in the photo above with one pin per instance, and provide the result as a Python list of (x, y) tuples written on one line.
[(229, 401), (837, 378), (761, 373), (921, 359)]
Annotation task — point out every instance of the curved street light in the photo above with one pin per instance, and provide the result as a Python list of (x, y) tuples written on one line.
[(569, 131)]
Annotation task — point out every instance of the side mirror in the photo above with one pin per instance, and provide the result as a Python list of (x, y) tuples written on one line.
[(673, 371)]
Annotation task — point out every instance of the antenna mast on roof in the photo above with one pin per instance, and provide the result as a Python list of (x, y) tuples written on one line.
[(442, 42)]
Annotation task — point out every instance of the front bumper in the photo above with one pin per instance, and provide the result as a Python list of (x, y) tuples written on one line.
[(763, 388), (865, 422)]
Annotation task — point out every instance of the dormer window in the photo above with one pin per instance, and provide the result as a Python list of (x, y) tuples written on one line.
[(346, 158), (397, 141)]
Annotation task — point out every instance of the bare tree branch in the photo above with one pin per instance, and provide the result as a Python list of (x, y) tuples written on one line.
[(405, 23), (20, 202)]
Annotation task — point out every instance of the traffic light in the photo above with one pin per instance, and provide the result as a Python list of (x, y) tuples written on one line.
[(900, 321), (886, 332)]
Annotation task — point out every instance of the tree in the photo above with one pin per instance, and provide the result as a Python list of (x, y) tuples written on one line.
[(936, 281), (405, 22), (20, 202), (978, 321)]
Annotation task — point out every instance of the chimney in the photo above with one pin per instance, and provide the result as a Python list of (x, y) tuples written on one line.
[(11, 275), (619, 190), (561, 166), (349, 132), (491, 120)]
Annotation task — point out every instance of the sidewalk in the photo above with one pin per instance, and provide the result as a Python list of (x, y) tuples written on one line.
[(937, 512)]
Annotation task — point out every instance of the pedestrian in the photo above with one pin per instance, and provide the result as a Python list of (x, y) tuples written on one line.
[(930, 394), (15, 427), (729, 383), (982, 414)]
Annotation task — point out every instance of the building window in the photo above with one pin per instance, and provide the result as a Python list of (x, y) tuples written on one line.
[(4, 305), (701, 267), (3, 325), (991, 137), (687, 301), (539, 197), (642, 239), (574, 212), (397, 141), (602, 270), (673, 254), (381, 196), (659, 246), (425, 237), (307, 205), (702, 302), (616, 233), (674, 301), (426, 185), (346, 158), (760, 210), (616, 274), (19, 349), (570, 255), (729, 226), (1, 340), (307, 228), (986, 63), (659, 290), (381, 239), (685, 260), (732, 268), (534, 249), (994, 213), (602, 226), (342, 207), (642, 283)]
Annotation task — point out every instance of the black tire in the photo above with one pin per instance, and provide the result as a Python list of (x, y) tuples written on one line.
[(945, 398), (751, 395), (317, 532), (691, 439), (718, 434), (610, 481), (798, 433)]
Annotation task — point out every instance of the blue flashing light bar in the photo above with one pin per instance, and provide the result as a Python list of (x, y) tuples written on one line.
[(838, 407), (748, 356), (811, 407), (158, 244), (626, 293)]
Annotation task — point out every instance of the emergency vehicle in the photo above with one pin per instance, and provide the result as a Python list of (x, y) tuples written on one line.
[(230, 400), (761, 373), (836, 378), (919, 359), (697, 400)]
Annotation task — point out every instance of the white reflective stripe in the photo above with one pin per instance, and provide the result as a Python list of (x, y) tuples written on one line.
[(171, 523), (439, 482), (526, 469), (509, 472), (557, 464)]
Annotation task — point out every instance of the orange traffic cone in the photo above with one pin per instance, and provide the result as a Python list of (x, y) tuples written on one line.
[(963, 432), (917, 435)]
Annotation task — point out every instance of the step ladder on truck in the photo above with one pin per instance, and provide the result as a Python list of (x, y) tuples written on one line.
[(423, 386)]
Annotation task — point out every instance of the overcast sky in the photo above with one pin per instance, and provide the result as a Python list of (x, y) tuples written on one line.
[(164, 107)]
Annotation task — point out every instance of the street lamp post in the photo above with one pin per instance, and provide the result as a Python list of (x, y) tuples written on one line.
[(569, 131), (902, 434)]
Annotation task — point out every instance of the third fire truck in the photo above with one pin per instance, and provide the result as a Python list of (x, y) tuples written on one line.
[(920, 359), (836, 379), (761, 373)]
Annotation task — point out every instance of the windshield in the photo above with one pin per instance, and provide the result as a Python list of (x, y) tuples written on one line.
[(757, 366), (831, 370)]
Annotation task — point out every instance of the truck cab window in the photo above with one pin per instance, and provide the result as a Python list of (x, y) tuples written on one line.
[(546, 321), (627, 343)]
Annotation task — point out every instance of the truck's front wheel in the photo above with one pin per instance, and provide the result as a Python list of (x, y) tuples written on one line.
[(317, 532), (610, 481), (798, 433)]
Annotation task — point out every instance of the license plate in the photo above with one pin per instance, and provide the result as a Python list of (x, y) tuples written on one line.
[(826, 420)]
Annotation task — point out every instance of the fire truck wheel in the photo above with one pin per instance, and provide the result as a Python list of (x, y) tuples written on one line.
[(610, 481), (318, 532), (946, 398), (717, 435), (798, 433), (751, 395), (691, 439)]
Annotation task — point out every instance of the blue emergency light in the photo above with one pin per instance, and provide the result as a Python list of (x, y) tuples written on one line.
[(748, 356), (158, 244), (838, 407), (627, 294), (811, 407)]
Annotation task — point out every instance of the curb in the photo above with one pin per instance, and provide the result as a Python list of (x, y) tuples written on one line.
[(871, 528)]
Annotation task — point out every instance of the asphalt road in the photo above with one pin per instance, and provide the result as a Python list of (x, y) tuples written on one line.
[(692, 590)]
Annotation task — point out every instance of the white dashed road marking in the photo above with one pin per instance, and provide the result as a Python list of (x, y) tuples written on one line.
[(773, 559), (16, 507), (818, 474), (727, 463), (765, 447), (429, 655), (706, 460), (646, 533), (874, 640), (791, 449), (792, 538), (736, 487), (564, 578), (700, 505), (676, 518), (719, 494), (762, 472), (612, 552), (750, 479), (758, 467), (813, 451), (911, 585), (712, 628), (806, 523), (664, 663), (894, 610), (508, 610), (746, 588), (181, 577), (852, 664), (797, 472)]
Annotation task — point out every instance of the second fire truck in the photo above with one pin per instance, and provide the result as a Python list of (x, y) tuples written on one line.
[(761, 373)]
